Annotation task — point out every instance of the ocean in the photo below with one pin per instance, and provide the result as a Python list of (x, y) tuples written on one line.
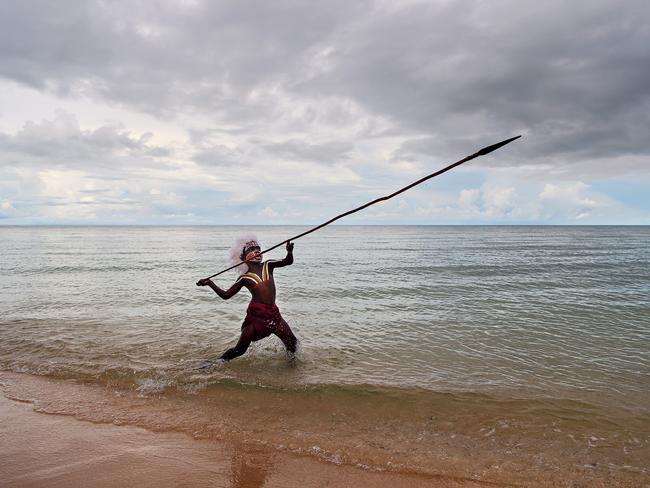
[(508, 354)]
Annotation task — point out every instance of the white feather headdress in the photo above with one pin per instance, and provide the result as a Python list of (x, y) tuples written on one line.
[(234, 255)]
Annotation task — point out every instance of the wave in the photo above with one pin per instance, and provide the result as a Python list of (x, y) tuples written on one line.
[(49, 270)]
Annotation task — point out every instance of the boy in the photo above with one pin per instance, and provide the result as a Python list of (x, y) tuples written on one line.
[(263, 316)]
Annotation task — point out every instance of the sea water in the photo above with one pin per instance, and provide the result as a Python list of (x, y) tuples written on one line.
[(420, 346)]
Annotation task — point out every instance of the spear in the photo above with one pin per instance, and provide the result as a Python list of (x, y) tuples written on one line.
[(482, 152)]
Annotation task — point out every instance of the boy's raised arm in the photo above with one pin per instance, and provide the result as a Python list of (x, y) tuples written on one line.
[(287, 260)]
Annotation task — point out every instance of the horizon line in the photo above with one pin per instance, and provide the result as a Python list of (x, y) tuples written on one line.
[(333, 225)]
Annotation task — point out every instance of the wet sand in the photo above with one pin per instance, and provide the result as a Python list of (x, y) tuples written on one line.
[(42, 450)]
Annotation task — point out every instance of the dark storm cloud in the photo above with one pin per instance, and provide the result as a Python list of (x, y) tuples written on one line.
[(573, 76), (163, 56)]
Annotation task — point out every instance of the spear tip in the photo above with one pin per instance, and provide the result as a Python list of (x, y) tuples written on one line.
[(494, 147)]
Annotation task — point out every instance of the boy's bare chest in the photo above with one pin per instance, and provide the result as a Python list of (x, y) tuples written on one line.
[(261, 279)]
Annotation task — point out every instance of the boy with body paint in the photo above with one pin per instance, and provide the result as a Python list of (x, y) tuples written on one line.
[(263, 316)]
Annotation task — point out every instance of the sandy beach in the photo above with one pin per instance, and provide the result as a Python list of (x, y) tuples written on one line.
[(41, 450)]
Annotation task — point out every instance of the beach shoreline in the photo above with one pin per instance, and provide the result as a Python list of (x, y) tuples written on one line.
[(38, 449), (58, 432)]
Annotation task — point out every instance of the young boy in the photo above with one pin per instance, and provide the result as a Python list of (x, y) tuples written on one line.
[(263, 316)]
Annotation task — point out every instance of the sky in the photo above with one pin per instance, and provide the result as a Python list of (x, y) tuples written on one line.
[(290, 112)]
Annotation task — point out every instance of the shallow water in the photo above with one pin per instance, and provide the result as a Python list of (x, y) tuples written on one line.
[(545, 328)]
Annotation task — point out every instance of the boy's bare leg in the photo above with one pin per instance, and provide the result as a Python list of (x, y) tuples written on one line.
[(283, 331), (244, 341)]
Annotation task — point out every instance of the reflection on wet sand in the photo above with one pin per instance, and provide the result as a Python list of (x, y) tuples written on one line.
[(250, 467)]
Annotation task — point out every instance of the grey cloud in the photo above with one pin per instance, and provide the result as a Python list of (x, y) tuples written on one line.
[(490, 70), (324, 153), (161, 56), (62, 142), (208, 151), (574, 77), (218, 155)]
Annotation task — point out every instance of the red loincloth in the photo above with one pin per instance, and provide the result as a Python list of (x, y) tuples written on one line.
[(265, 319)]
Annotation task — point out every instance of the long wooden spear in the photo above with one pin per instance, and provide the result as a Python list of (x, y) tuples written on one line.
[(482, 152)]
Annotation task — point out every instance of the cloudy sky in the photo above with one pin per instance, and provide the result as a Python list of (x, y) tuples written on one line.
[(289, 112)]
